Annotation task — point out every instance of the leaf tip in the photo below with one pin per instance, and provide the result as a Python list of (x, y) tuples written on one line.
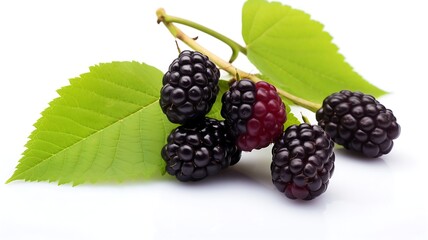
[(11, 179)]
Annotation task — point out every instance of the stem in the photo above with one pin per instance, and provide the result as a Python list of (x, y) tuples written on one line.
[(236, 47), (305, 119), (226, 66)]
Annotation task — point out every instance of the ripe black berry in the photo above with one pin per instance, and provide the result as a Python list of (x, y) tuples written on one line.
[(302, 161), (200, 149), (359, 123), (255, 113), (190, 87)]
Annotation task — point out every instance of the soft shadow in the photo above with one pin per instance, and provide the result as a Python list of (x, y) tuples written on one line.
[(358, 157), (230, 175), (319, 204)]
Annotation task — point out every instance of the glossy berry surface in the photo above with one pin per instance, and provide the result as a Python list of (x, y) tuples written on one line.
[(359, 122), (255, 113), (194, 152), (302, 161), (190, 87)]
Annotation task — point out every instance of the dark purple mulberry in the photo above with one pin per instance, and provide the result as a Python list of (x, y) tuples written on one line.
[(255, 113), (200, 149), (190, 87), (358, 122), (302, 161)]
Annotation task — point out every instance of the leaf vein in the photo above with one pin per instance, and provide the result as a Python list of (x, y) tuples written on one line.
[(106, 96), (283, 17), (91, 164), (45, 141), (59, 132), (128, 88), (115, 149), (70, 119), (315, 72), (88, 110)]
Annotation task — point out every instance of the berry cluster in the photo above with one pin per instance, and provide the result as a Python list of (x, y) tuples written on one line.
[(201, 146), (302, 155)]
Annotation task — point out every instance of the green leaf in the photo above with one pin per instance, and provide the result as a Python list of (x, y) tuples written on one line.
[(107, 125), (295, 53), (291, 119), (216, 108)]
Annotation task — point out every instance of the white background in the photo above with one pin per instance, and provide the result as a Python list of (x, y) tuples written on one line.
[(44, 43)]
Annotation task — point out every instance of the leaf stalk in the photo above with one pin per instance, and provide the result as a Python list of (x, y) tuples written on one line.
[(222, 64), (235, 47)]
